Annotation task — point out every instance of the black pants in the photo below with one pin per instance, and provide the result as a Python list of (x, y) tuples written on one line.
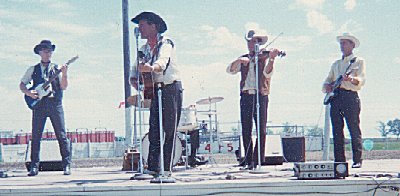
[(49, 107), (194, 145), (248, 112), (171, 110), (346, 105)]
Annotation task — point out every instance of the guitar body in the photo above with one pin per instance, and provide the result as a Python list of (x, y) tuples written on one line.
[(41, 92), (148, 84)]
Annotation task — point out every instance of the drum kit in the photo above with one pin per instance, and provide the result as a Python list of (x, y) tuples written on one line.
[(188, 122)]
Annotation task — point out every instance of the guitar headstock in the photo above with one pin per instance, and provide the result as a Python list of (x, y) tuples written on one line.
[(73, 59)]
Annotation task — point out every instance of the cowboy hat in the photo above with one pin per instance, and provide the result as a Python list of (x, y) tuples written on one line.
[(152, 18), (350, 37), (262, 39), (44, 44)]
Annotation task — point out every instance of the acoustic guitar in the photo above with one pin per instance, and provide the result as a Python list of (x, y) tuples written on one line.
[(43, 89)]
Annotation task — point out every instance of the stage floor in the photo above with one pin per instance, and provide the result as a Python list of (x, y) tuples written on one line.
[(206, 180)]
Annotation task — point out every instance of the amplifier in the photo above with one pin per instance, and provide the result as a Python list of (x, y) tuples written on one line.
[(321, 170)]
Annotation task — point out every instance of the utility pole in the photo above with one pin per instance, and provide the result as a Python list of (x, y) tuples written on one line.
[(127, 63)]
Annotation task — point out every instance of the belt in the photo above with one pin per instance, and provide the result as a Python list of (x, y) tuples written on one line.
[(159, 84), (162, 84), (250, 92)]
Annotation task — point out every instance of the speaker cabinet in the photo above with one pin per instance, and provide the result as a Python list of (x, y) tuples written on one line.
[(50, 158), (294, 149)]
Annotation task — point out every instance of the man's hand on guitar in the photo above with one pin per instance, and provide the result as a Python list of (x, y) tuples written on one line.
[(64, 69), (328, 88), (145, 67), (33, 94), (134, 82)]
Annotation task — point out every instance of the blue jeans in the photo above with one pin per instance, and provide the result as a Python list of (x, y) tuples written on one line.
[(52, 108)]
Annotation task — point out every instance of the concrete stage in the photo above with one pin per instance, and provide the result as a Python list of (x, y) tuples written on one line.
[(206, 180)]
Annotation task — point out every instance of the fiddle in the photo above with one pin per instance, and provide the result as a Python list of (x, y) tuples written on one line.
[(265, 53)]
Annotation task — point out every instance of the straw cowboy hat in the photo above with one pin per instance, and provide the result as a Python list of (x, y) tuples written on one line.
[(152, 18), (253, 35), (44, 44), (350, 37)]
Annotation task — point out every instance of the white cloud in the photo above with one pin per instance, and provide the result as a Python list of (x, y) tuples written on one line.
[(397, 60), (219, 40), (308, 4), (64, 27), (256, 27), (350, 26), (350, 4), (319, 21)]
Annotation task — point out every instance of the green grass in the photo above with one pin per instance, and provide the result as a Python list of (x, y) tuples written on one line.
[(392, 145)]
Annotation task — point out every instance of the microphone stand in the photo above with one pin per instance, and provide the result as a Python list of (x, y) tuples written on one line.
[(140, 175), (258, 170)]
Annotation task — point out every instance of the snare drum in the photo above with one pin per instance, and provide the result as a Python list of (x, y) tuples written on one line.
[(146, 144), (188, 120)]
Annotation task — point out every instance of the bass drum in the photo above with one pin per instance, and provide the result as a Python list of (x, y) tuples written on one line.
[(178, 149)]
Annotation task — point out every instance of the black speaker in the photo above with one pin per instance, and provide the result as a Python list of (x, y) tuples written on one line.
[(50, 158), (294, 149)]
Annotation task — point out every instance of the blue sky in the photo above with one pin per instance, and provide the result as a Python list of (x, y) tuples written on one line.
[(208, 35)]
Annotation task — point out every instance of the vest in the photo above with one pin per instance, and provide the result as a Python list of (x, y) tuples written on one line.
[(39, 79), (263, 82)]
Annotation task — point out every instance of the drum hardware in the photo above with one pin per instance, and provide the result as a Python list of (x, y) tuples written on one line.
[(208, 101)]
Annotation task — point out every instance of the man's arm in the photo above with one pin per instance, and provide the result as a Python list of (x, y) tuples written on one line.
[(234, 67), (30, 93), (64, 77)]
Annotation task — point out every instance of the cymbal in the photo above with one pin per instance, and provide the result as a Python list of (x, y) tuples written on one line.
[(207, 112), (209, 100)]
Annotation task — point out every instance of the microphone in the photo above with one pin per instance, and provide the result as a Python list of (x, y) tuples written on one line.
[(137, 32)]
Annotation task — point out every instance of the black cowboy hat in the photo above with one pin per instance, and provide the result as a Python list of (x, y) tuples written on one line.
[(44, 44), (152, 18)]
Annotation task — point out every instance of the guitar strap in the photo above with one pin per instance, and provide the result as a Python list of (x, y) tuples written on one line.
[(158, 52), (351, 62)]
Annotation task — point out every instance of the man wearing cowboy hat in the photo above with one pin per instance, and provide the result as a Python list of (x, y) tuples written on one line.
[(160, 61), (346, 103), (49, 106), (245, 64)]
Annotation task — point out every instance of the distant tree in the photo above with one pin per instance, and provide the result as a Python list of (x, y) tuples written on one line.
[(269, 131), (394, 127), (383, 129), (287, 129), (314, 131), (235, 130)]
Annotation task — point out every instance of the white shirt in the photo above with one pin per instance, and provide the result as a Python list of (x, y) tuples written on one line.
[(250, 82), (27, 77), (166, 53), (339, 68)]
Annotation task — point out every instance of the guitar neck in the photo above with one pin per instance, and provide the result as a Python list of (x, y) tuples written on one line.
[(52, 78)]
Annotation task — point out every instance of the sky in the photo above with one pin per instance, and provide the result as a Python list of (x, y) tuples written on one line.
[(208, 35)]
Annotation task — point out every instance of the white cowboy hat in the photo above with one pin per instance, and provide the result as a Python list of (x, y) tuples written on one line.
[(253, 35), (350, 37)]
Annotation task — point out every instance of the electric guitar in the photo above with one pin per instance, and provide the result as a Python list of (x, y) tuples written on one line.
[(336, 84), (43, 89)]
